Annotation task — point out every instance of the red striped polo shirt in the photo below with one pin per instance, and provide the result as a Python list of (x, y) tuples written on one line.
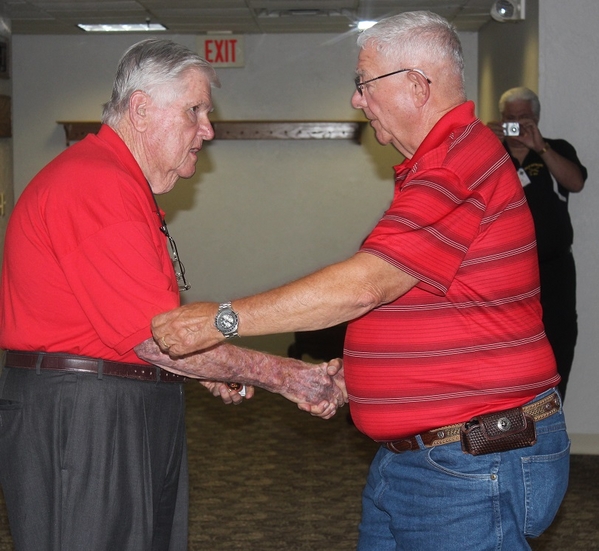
[(468, 338)]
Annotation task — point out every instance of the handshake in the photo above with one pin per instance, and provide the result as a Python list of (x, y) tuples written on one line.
[(316, 388)]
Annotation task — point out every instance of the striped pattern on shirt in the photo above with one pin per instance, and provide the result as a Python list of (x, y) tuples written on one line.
[(468, 339)]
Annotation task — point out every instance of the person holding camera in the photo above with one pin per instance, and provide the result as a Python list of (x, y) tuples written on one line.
[(549, 170)]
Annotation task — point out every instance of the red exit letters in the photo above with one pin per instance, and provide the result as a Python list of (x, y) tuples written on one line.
[(220, 50)]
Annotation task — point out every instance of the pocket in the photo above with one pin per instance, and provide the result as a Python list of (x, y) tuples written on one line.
[(545, 484), (10, 416), (6, 405), (7, 414)]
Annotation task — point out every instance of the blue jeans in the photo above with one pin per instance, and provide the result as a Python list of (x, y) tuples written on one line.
[(444, 499)]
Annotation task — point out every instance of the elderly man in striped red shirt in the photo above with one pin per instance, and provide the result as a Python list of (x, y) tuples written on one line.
[(446, 360)]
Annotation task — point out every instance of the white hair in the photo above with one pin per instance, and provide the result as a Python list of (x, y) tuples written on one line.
[(412, 37), (153, 66), (521, 93)]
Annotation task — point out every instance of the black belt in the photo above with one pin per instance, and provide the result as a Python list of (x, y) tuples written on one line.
[(84, 364), (451, 433)]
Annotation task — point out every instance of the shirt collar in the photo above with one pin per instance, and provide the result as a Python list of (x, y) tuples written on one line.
[(110, 137), (458, 117)]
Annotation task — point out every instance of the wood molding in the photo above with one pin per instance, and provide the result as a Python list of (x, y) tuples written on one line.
[(251, 130), (288, 130), (5, 117), (77, 130)]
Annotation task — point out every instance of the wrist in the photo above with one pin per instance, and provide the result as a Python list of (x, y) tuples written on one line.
[(546, 148), (227, 320)]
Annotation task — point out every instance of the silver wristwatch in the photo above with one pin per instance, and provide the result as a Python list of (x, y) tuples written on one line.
[(227, 320)]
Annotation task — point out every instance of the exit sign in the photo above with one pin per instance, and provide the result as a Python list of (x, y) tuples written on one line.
[(222, 50)]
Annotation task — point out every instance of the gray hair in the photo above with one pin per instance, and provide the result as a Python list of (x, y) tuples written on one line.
[(149, 66), (521, 93), (414, 36)]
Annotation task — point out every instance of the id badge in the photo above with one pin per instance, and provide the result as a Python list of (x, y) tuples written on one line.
[(524, 179)]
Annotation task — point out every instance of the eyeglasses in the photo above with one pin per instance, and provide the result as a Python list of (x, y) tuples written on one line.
[(174, 254), (172, 248), (360, 85)]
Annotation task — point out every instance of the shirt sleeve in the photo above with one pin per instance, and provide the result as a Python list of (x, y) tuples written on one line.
[(565, 149), (428, 228)]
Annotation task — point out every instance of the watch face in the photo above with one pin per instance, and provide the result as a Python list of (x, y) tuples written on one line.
[(226, 321)]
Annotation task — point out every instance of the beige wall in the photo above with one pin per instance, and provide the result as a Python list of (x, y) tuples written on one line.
[(257, 213), (508, 56), (6, 162), (552, 52), (568, 83)]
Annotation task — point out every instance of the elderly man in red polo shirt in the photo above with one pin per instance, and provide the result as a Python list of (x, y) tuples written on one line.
[(446, 360), (92, 438)]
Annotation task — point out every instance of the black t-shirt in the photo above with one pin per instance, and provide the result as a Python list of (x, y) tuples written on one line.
[(548, 201)]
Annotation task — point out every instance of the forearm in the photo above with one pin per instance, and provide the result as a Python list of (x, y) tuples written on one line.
[(563, 170), (330, 296), (296, 380), (335, 294)]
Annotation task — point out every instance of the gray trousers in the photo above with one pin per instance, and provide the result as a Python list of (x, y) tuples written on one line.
[(95, 464)]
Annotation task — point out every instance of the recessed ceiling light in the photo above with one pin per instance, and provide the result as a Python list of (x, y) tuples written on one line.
[(124, 28), (363, 25)]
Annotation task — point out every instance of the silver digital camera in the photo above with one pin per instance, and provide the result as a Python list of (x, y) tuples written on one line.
[(511, 128)]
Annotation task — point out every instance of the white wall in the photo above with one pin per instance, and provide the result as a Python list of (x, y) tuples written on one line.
[(508, 56), (258, 213), (6, 153), (568, 83)]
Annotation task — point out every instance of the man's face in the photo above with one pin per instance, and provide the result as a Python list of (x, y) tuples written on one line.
[(382, 101), (177, 128), (519, 111)]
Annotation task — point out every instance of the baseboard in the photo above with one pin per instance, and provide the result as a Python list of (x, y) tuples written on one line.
[(584, 444)]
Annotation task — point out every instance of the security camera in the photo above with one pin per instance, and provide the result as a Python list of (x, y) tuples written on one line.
[(508, 10)]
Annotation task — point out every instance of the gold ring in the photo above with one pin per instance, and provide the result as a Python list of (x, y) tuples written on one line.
[(164, 345)]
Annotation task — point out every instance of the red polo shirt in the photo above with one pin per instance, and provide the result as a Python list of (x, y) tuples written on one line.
[(468, 339), (85, 264)]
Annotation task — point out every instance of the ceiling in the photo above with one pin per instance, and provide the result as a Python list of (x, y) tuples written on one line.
[(236, 16)]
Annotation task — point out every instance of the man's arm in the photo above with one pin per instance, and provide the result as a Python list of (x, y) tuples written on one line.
[(337, 293), (318, 388), (567, 173)]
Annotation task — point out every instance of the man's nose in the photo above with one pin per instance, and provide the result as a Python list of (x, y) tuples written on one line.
[(357, 100)]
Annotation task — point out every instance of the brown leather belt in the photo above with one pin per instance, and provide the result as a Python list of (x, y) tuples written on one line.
[(538, 410), (84, 364)]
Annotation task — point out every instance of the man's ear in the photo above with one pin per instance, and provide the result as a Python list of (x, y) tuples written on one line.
[(420, 88), (138, 110)]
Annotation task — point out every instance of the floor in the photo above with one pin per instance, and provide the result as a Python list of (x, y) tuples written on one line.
[(267, 477)]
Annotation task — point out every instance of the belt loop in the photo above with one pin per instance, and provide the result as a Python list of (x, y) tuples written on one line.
[(559, 397), (2, 379), (38, 363), (100, 369), (158, 374)]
